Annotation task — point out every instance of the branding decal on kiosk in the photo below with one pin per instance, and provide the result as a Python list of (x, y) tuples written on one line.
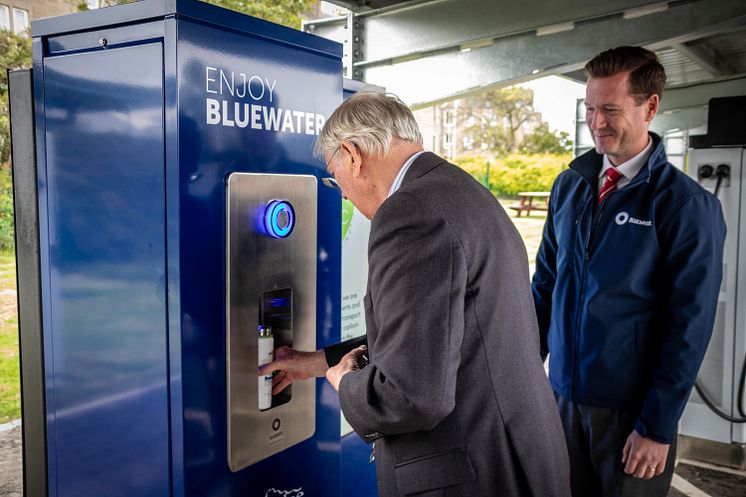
[(297, 492), (239, 104)]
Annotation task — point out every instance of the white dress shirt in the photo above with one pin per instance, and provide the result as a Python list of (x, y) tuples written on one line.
[(628, 169), (400, 176)]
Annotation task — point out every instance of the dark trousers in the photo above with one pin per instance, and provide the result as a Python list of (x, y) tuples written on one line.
[(595, 440)]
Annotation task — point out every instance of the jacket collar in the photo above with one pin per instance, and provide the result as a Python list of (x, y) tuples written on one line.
[(589, 164), (422, 165)]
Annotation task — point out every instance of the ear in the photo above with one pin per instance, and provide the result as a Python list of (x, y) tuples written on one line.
[(351, 153), (652, 107)]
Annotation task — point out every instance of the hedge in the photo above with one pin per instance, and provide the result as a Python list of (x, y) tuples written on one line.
[(7, 238), (515, 173)]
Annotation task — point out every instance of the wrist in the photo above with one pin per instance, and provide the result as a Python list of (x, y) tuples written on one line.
[(320, 367), (334, 376)]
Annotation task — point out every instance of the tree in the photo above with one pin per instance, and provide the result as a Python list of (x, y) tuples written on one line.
[(504, 121), (543, 141), (497, 116), (15, 53), (285, 12)]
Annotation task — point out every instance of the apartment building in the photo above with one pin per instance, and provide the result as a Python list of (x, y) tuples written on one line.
[(16, 15)]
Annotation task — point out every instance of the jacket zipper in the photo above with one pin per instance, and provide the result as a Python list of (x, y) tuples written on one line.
[(581, 300), (594, 226), (577, 310)]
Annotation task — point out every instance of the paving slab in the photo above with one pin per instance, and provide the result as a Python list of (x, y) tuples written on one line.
[(11, 455), (712, 482)]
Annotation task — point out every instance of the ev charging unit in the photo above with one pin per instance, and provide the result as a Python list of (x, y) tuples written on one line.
[(713, 426), (168, 205)]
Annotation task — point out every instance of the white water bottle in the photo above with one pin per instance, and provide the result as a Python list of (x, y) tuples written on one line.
[(265, 352)]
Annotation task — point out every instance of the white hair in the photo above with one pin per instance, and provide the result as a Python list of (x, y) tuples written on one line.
[(371, 121)]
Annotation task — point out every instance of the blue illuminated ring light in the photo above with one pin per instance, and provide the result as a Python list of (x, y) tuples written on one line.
[(279, 219)]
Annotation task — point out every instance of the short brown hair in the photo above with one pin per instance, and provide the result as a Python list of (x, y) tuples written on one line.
[(646, 74)]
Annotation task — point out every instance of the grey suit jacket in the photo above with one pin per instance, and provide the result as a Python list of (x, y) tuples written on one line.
[(455, 394)]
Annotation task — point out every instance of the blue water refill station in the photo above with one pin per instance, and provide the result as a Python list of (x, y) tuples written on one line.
[(169, 205)]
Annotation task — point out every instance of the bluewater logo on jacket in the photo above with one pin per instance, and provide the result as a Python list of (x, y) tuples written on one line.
[(623, 218)]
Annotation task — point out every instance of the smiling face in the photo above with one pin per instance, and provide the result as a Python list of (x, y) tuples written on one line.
[(618, 123)]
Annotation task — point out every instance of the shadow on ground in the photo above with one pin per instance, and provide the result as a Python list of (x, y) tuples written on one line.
[(712, 482)]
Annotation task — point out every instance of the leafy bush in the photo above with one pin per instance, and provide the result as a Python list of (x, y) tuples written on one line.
[(515, 173), (7, 237)]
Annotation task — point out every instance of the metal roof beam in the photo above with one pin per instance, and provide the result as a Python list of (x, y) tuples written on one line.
[(700, 94), (706, 57), (436, 25), (450, 72)]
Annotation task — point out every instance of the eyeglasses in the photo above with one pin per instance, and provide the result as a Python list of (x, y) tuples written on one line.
[(331, 182), (327, 164)]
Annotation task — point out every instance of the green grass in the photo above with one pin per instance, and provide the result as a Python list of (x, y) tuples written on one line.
[(10, 384)]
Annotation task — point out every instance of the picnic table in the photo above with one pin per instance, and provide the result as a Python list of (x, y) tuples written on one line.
[(527, 202)]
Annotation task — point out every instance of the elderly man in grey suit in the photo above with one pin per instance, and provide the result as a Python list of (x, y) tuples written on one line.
[(454, 393)]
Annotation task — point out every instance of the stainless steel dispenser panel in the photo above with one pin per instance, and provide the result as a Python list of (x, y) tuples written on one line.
[(260, 265)]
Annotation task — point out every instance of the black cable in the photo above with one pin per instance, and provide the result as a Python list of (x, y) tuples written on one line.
[(717, 186), (722, 172), (738, 399)]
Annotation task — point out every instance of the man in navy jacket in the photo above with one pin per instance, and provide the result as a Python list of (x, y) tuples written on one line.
[(626, 286)]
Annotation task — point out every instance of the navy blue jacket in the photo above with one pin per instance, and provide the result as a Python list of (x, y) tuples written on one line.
[(626, 293)]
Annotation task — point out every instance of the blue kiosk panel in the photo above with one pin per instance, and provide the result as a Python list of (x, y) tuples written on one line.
[(107, 396), (248, 104), (143, 111)]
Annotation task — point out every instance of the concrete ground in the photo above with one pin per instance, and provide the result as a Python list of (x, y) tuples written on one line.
[(692, 479), (11, 469), (695, 479)]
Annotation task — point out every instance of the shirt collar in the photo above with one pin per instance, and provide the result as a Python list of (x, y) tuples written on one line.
[(400, 176), (633, 166)]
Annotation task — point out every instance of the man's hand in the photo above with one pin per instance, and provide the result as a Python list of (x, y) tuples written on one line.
[(294, 365), (355, 359), (644, 458)]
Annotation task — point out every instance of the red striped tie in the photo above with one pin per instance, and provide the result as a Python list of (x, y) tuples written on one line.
[(612, 176)]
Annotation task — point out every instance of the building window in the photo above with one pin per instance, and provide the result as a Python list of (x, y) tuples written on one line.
[(448, 140), (468, 142), (20, 21), (4, 17), (92, 4), (449, 117)]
